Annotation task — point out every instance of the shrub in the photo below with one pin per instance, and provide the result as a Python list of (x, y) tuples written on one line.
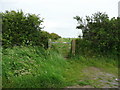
[(101, 32), (19, 29), (55, 36), (83, 47)]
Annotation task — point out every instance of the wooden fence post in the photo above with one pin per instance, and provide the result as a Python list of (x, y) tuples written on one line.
[(49, 43), (73, 47)]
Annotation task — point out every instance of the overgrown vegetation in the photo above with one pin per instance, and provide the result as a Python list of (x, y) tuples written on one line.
[(28, 63), (54, 36), (35, 67), (32, 67), (19, 29), (100, 33)]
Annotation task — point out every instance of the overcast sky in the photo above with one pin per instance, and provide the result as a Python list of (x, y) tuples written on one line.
[(59, 14)]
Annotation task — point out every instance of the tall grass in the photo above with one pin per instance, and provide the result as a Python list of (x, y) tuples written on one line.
[(61, 47), (107, 64), (32, 67)]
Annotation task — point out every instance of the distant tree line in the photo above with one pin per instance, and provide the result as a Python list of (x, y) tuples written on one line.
[(100, 33), (19, 29)]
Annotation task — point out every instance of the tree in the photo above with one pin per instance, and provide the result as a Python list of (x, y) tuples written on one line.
[(21, 29), (55, 36), (101, 31)]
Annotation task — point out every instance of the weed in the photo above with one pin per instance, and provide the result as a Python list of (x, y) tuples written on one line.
[(35, 67), (83, 83)]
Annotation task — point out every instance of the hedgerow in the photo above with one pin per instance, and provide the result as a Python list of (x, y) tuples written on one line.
[(19, 29), (101, 32)]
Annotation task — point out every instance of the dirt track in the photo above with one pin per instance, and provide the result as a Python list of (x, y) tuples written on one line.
[(100, 79)]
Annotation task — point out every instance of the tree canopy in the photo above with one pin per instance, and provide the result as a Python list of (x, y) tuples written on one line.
[(101, 31), (23, 29)]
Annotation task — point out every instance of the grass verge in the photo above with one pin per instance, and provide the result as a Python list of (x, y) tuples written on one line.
[(34, 67)]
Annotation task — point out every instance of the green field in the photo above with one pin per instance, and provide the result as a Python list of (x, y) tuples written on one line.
[(34, 67)]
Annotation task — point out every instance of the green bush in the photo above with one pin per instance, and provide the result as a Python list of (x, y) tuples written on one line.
[(101, 32), (83, 47), (19, 29), (54, 36)]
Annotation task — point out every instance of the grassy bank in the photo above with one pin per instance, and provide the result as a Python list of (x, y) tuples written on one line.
[(34, 67)]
